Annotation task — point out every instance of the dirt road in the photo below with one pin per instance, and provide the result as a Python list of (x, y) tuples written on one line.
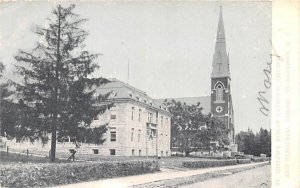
[(256, 178)]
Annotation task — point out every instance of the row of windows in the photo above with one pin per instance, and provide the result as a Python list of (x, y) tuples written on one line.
[(150, 116), (66, 139), (113, 152), (146, 101), (113, 135), (137, 97), (132, 135)]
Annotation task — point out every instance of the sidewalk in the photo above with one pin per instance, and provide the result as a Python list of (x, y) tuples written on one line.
[(127, 181)]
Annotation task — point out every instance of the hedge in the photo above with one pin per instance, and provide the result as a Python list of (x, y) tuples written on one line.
[(259, 159), (209, 163), (212, 157), (243, 161), (50, 174)]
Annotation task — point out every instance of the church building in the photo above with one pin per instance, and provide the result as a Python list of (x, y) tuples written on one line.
[(221, 100), (219, 103)]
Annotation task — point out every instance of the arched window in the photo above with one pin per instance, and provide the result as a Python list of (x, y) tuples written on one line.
[(219, 87)]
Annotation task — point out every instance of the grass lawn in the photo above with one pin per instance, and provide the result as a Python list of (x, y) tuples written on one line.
[(164, 162)]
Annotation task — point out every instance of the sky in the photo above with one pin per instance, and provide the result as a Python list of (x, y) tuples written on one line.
[(169, 46)]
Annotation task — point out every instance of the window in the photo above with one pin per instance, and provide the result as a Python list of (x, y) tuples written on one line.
[(132, 152), (150, 117), (139, 135), (96, 151), (72, 139), (132, 113), (140, 152), (219, 87), (219, 67), (138, 98), (96, 117), (140, 114), (113, 108), (153, 132), (113, 94), (219, 94), (113, 136), (66, 139), (162, 120), (130, 94), (132, 130), (112, 151), (113, 116)]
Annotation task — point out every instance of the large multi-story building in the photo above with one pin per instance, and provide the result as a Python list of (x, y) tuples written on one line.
[(137, 124)]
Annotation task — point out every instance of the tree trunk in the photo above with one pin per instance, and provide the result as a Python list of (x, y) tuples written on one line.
[(54, 125), (53, 144), (187, 153), (53, 139)]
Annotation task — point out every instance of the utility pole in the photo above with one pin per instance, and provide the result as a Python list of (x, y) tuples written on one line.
[(128, 71)]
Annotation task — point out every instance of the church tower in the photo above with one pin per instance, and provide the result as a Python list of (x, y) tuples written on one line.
[(221, 102)]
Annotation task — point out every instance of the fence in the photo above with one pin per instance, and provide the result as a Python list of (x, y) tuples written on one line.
[(7, 155)]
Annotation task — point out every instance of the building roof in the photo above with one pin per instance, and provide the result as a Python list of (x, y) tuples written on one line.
[(220, 58), (121, 90), (204, 102)]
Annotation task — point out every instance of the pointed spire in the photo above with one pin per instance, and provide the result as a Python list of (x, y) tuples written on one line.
[(221, 31), (221, 58)]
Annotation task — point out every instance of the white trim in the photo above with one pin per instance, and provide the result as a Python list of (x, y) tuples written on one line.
[(218, 83)]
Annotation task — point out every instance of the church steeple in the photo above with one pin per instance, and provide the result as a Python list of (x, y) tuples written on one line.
[(221, 100), (220, 59)]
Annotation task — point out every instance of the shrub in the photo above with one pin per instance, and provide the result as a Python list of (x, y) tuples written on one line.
[(243, 161), (208, 163), (212, 157), (258, 159), (50, 174)]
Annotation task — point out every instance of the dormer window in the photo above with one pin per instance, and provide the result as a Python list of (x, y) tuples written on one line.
[(113, 94), (138, 98), (130, 94), (151, 103)]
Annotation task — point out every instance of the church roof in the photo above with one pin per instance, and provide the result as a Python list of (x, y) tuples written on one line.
[(204, 102)]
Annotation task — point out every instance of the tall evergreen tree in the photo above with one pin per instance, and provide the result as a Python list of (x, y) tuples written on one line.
[(8, 109), (57, 81)]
